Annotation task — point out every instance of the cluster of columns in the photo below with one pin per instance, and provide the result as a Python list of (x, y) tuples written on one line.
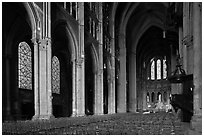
[(98, 99), (42, 70), (190, 43), (197, 65)]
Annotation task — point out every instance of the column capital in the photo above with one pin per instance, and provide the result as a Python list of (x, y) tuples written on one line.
[(79, 61), (43, 43), (34, 40)]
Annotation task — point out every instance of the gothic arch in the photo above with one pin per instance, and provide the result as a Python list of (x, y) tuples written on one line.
[(71, 35), (34, 18), (20, 28), (95, 58)]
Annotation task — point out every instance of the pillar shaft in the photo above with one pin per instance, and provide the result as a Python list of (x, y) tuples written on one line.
[(45, 95), (74, 81), (121, 95), (185, 32), (79, 93), (197, 74), (111, 92), (99, 93), (36, 78), (111, 73), (132, 84), (196, 121), (42, 66)]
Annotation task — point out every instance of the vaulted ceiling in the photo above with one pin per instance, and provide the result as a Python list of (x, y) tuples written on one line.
[(144, 24)]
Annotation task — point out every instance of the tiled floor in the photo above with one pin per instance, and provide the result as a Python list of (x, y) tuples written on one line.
[(117, 124)]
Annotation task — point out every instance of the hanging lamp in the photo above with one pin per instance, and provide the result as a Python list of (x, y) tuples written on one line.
[(179, 74)]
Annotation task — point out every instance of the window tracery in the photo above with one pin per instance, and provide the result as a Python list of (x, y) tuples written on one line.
[(55, 75), (158, 69), (24, 66)]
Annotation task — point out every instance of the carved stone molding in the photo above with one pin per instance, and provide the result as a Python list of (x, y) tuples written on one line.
[(43, 44), (79, 62), (188, 40)]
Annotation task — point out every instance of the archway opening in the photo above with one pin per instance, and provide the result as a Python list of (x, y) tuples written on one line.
[(89, 81), (17, 87), (61, 49)]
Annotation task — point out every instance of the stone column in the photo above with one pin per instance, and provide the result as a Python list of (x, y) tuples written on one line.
[(180, 42), (43, 92), (79, 93), (121, 95), (197, 74), (99, 92), (132, 84), (74, 78), (36, 78), (185, 33), (111, 92)]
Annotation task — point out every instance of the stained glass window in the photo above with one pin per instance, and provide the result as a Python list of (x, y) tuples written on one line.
[(158, 69), (152, 70), (164, 69), (55, 75), (24, 66)]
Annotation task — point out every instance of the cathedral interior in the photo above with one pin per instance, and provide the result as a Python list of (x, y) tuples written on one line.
[(72, 59)]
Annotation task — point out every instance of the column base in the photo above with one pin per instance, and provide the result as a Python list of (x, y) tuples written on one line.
[(98, 114), (77, 115), (196, 125), (121, 111), (111, 113), (43, 117)]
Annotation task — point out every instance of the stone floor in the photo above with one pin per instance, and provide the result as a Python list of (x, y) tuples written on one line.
[(160, 123)]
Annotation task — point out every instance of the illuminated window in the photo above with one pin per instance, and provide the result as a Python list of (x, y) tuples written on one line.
[(158, 69), (152, 70), (55, 75), (24, 66), (161, 69), (164, 69), (159, 96)]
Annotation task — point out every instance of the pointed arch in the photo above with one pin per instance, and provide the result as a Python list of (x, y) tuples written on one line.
[(34, 18)]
